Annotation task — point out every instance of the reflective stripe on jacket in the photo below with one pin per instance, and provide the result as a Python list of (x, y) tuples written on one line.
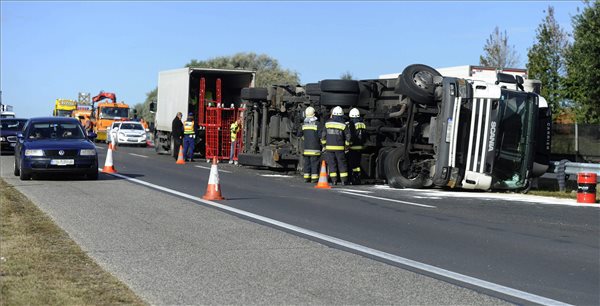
[(335, 135), (188, 128), (234, 129), (310, 136), (358, 132)]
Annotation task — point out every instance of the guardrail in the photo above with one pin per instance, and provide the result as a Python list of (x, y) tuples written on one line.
[(564, 167)]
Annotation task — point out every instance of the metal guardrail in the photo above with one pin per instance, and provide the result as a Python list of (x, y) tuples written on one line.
[(573, 168)]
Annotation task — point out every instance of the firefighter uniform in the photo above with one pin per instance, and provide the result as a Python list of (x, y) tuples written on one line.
[(312, 149), (189, 134), (336, 138), (358, 138)]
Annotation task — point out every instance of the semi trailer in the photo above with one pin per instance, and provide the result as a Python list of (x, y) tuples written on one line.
[(424, 129)]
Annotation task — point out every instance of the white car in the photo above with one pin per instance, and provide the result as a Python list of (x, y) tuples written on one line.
[(131, 132)]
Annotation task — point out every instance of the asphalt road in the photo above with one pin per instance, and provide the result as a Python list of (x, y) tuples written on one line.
[(541, 247)]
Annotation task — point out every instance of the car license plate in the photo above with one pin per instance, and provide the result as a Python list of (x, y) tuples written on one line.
[(62, 162), (131, 139)]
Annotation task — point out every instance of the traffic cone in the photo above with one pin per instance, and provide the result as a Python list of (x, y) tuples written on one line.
[(108, 164), (323, 183), (180, 160), (113, 144), (213, 190)]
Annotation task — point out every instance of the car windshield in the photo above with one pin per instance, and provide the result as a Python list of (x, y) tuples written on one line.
[(114, 112), (64, 113), (131, 126), (511, 165), (12, 125), (54, 130)]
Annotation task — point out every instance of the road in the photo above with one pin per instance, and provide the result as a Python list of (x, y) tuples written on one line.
[(496, 244)]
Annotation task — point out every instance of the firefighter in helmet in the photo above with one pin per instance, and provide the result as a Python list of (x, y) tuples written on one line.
[(358, 138), (310, 133), (336, 138)]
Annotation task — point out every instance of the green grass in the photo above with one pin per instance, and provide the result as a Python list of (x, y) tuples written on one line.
[(41, 265)]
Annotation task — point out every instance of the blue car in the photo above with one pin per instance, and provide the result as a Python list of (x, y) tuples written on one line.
[(55, 145), (9, 127)]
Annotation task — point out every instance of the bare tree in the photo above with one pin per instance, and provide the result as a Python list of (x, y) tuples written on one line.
[(346, 76), (497, 52)]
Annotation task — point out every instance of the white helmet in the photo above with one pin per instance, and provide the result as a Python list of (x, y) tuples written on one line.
[(354, 113), (337, 111), (309, 112)]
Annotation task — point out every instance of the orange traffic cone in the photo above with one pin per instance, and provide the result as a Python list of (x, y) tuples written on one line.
[(323, 183), (113, 144), (180, 160), (108, 164), (213, 190)]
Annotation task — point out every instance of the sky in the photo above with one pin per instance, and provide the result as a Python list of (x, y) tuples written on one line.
[(53, 50)]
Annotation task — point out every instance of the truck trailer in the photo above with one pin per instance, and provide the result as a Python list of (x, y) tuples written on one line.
[(424, 129), (212, 96)]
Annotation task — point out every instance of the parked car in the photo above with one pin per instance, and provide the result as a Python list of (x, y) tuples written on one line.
[(9, 127), (55, 145), (131, 132)]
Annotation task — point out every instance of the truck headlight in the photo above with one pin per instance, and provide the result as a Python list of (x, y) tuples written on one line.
[(87, 152), (34, 152)]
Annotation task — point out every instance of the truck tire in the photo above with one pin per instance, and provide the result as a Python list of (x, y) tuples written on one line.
[(339, 99), (416, 82), (397, 178), (312, 89), (340, 86), (258, 93)]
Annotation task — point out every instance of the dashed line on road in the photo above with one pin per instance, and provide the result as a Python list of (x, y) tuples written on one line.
[(363, 249), (275, 175), (208, 168), (139, 155), (386, 199)]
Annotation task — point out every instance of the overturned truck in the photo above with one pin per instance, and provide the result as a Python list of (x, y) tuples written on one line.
[(424, 129)]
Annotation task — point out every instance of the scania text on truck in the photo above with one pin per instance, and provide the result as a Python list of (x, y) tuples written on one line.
[(195, 90), (424, 129)]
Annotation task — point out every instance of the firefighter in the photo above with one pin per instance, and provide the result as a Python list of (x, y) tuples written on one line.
[(358, 138), (336, 139), (310, 134), (189, 134), (234, 129)]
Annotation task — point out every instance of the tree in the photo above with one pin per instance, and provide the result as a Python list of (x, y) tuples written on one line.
[(347, 76), (143, 109), (497, 52), (583, 64), (546, 59), (268, 70)]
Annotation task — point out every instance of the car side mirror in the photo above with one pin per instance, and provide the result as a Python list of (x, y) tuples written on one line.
[(92, 136), (20, 135)]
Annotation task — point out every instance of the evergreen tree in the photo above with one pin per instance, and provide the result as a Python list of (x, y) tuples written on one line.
[(546, 59), (583, 64), (347, 76), (497, 52)]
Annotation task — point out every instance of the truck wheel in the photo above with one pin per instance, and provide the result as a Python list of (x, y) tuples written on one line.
[(399, 178), (416, 82), (312, 89), (258, 93), (339, 99), (340, 86)]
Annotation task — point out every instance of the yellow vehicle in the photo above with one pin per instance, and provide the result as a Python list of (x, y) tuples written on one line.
[(64, 107), (105, 113)]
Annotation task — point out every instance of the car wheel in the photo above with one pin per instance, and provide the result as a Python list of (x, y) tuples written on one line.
[(338, 99), (16, 170), (400, 175), (416, 82), (92, 175), (23, 174), (255, 93)]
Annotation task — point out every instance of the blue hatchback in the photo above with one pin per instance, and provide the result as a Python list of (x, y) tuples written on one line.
[(55, 145)]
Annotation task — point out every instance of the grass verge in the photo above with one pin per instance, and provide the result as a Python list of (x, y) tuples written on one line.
[(41, 265)]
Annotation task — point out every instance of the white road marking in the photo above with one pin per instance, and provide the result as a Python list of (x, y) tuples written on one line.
[(275, 175), (386, 199), (353, 190), (97, 147), (363, 249), (203, 167), (426, 197), (144, 156), (525, 198)]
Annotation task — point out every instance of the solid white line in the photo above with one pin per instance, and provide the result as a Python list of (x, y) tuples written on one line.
[(386, 199), (208, 168), (138, 155), (352, 190), (366, 250)]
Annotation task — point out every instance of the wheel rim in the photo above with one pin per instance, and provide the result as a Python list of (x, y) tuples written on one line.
[(423, 79)]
